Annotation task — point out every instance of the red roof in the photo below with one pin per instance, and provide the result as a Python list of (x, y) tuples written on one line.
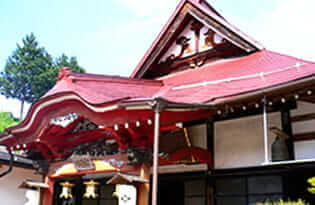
[(99, 89), (233, 77), (212, 81), (97, 97)]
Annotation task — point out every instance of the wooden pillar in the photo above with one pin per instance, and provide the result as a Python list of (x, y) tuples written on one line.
[(210, 139), (210, 146), (144, 188), (48, 194), (287, 128)]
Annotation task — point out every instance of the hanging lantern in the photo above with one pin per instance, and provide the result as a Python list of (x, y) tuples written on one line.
[(66, 191), (90, 189)]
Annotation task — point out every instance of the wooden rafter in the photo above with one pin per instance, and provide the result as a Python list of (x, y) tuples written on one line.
[(308, 99), (299, 118), (304, 136)]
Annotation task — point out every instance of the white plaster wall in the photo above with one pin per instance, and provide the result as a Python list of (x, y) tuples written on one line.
[(303, 126), (240, 142), (198, 135), (304, 149), (303, 108), (9, 192)]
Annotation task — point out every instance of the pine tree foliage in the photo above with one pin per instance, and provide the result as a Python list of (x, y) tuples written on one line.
[(30, 71), (72, 62), (21, 78)]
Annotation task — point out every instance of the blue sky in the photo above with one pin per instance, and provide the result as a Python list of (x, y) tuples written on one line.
[(111, 36)]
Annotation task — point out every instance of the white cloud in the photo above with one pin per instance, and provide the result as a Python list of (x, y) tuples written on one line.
[(129, 40), (145, 8), (292, 25), (13, 106), (287, 28)]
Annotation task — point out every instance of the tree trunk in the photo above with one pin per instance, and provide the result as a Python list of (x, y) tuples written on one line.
[(21, 111)]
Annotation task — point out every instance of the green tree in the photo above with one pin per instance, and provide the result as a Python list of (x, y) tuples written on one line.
[(30, 72), (72, 63), (48, 79), (7, 120), (21, 78)]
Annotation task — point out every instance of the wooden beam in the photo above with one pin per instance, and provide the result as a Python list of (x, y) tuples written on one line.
[(221, 51), (287, 128), (298, 118), (309, 99), (304, 136), (194, 123), (239, 113), (210, 139)]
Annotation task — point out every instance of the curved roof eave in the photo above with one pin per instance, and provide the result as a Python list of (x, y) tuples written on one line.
[(48, 101)]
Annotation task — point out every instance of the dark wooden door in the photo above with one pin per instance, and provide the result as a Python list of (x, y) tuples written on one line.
[(171, 193)]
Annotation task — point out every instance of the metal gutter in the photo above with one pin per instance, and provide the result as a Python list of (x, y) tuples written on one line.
[(17, 161), (172, 106), (10, 164), (148, 104)]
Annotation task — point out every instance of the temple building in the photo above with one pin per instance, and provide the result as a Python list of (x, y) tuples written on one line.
[(208, 117)]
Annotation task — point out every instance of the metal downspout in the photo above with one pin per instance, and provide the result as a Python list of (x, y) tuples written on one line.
[(265, 122), (158, 107)]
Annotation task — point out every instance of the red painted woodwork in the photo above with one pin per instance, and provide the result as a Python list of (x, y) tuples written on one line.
[(86, 96), (199, 154), (48, 194)]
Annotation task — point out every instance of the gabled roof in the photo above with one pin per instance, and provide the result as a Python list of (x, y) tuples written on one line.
[(206, 14), (210, 82), (208, 85), (229, 77)]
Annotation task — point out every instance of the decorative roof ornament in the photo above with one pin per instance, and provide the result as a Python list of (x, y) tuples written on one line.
[(64, 73), (65, 120)]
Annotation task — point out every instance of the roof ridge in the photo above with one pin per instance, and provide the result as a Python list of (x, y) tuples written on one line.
[(66, 74)]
